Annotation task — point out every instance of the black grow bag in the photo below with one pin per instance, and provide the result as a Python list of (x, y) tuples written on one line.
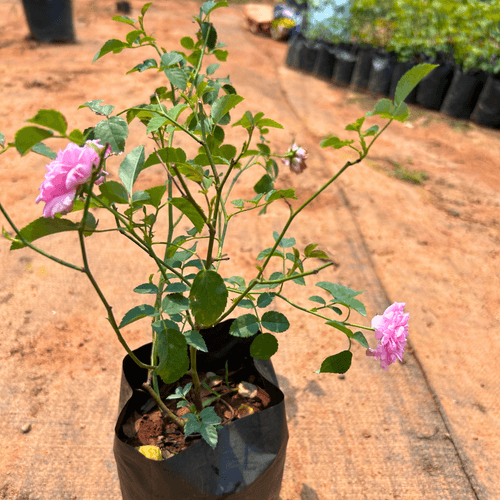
[(463, 93), (399, 70), (487, 110), (292, 58), (361, 71), (325, 61), (433, 87), (381, 72), (249, 459), (50, 20), (308, 53), (345, 59)]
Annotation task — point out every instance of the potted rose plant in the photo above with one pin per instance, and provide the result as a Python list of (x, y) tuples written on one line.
[(201, 415)]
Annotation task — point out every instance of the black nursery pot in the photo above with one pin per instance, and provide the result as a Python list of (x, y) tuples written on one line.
[(399, 70), (325, 61), (487, 110), (463, 93), (433, 87), (308, 53), (381, 71), (295, 44), (50, 20), (249, 459), (345, 59), (361, 71)]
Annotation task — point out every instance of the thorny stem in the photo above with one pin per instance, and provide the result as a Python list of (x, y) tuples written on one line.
[(163, 408), (196, 380)]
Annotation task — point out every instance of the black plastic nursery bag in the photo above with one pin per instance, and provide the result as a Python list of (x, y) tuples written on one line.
[(433, 87), (487, 110), (50, 20), (249, 459), (361, 71), (344, 64), (308, 54), (325, 61), (381, 73), (294, 49)]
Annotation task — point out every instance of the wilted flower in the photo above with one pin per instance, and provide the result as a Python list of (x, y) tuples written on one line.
[(296, 159), (391, 329), (72, 167)]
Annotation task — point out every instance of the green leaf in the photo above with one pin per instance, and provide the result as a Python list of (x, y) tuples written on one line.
[(318, 299), (338, 363), (410, 80), (212, 68), (177, 77), (147, 64), (275, 321), (209, 417), (112, 45), (246, 304), (209, 6), (223, 105), (136, 313), (285, 242), (123, 19), (371, 131), (163, 324), (244, 326), (114, 130), (131, 166), (344, 296), (267, 251), (267, 122), (341, 327), (265, 299), (133, 35), (139, 199), (76, 136), (50, 118), (383, 108), (172, 354), (264, 185), (318, 254), (114, 192), (176, 288), (171, 58), (146, 288), (145, 8), (209, 433), (401, 112), (264, 346), (237, 281), (281, 194), (209, 34), (195, 339), (356, 126), (335, 142), (359, 337), (43, 227), (27, 137), (300, 280), (208, 297), (187, 42), (238, 203), (155, 195), (97, 108), (221, 55), (44, 150), (174, 303), (192, 172), (189, 211)]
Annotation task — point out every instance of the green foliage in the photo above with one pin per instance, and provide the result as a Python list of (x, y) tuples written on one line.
[(338, 363), (208, 297)]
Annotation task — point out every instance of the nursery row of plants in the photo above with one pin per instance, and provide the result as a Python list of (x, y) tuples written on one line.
[(374, 42), (472, 94)]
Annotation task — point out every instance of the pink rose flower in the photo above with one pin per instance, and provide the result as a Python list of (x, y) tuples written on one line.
[(391, 330), (296, 159), (72, 167)]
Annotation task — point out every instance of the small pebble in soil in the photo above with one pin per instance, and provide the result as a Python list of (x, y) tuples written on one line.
[(215, 381), (341, 377), (26, 428), (247, 389)]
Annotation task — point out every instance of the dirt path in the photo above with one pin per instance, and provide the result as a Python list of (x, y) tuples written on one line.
[(426, 429)]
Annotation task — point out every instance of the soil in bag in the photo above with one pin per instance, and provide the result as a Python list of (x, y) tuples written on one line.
[(249, 459), (399, 70), (325, 61), (487, 110), (50, 20), (361, 71), (464, 92), (345, 59), (381, 73), (308, 54), (433, 87)]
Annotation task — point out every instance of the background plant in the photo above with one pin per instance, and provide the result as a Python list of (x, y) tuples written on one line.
[(188, 289)]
